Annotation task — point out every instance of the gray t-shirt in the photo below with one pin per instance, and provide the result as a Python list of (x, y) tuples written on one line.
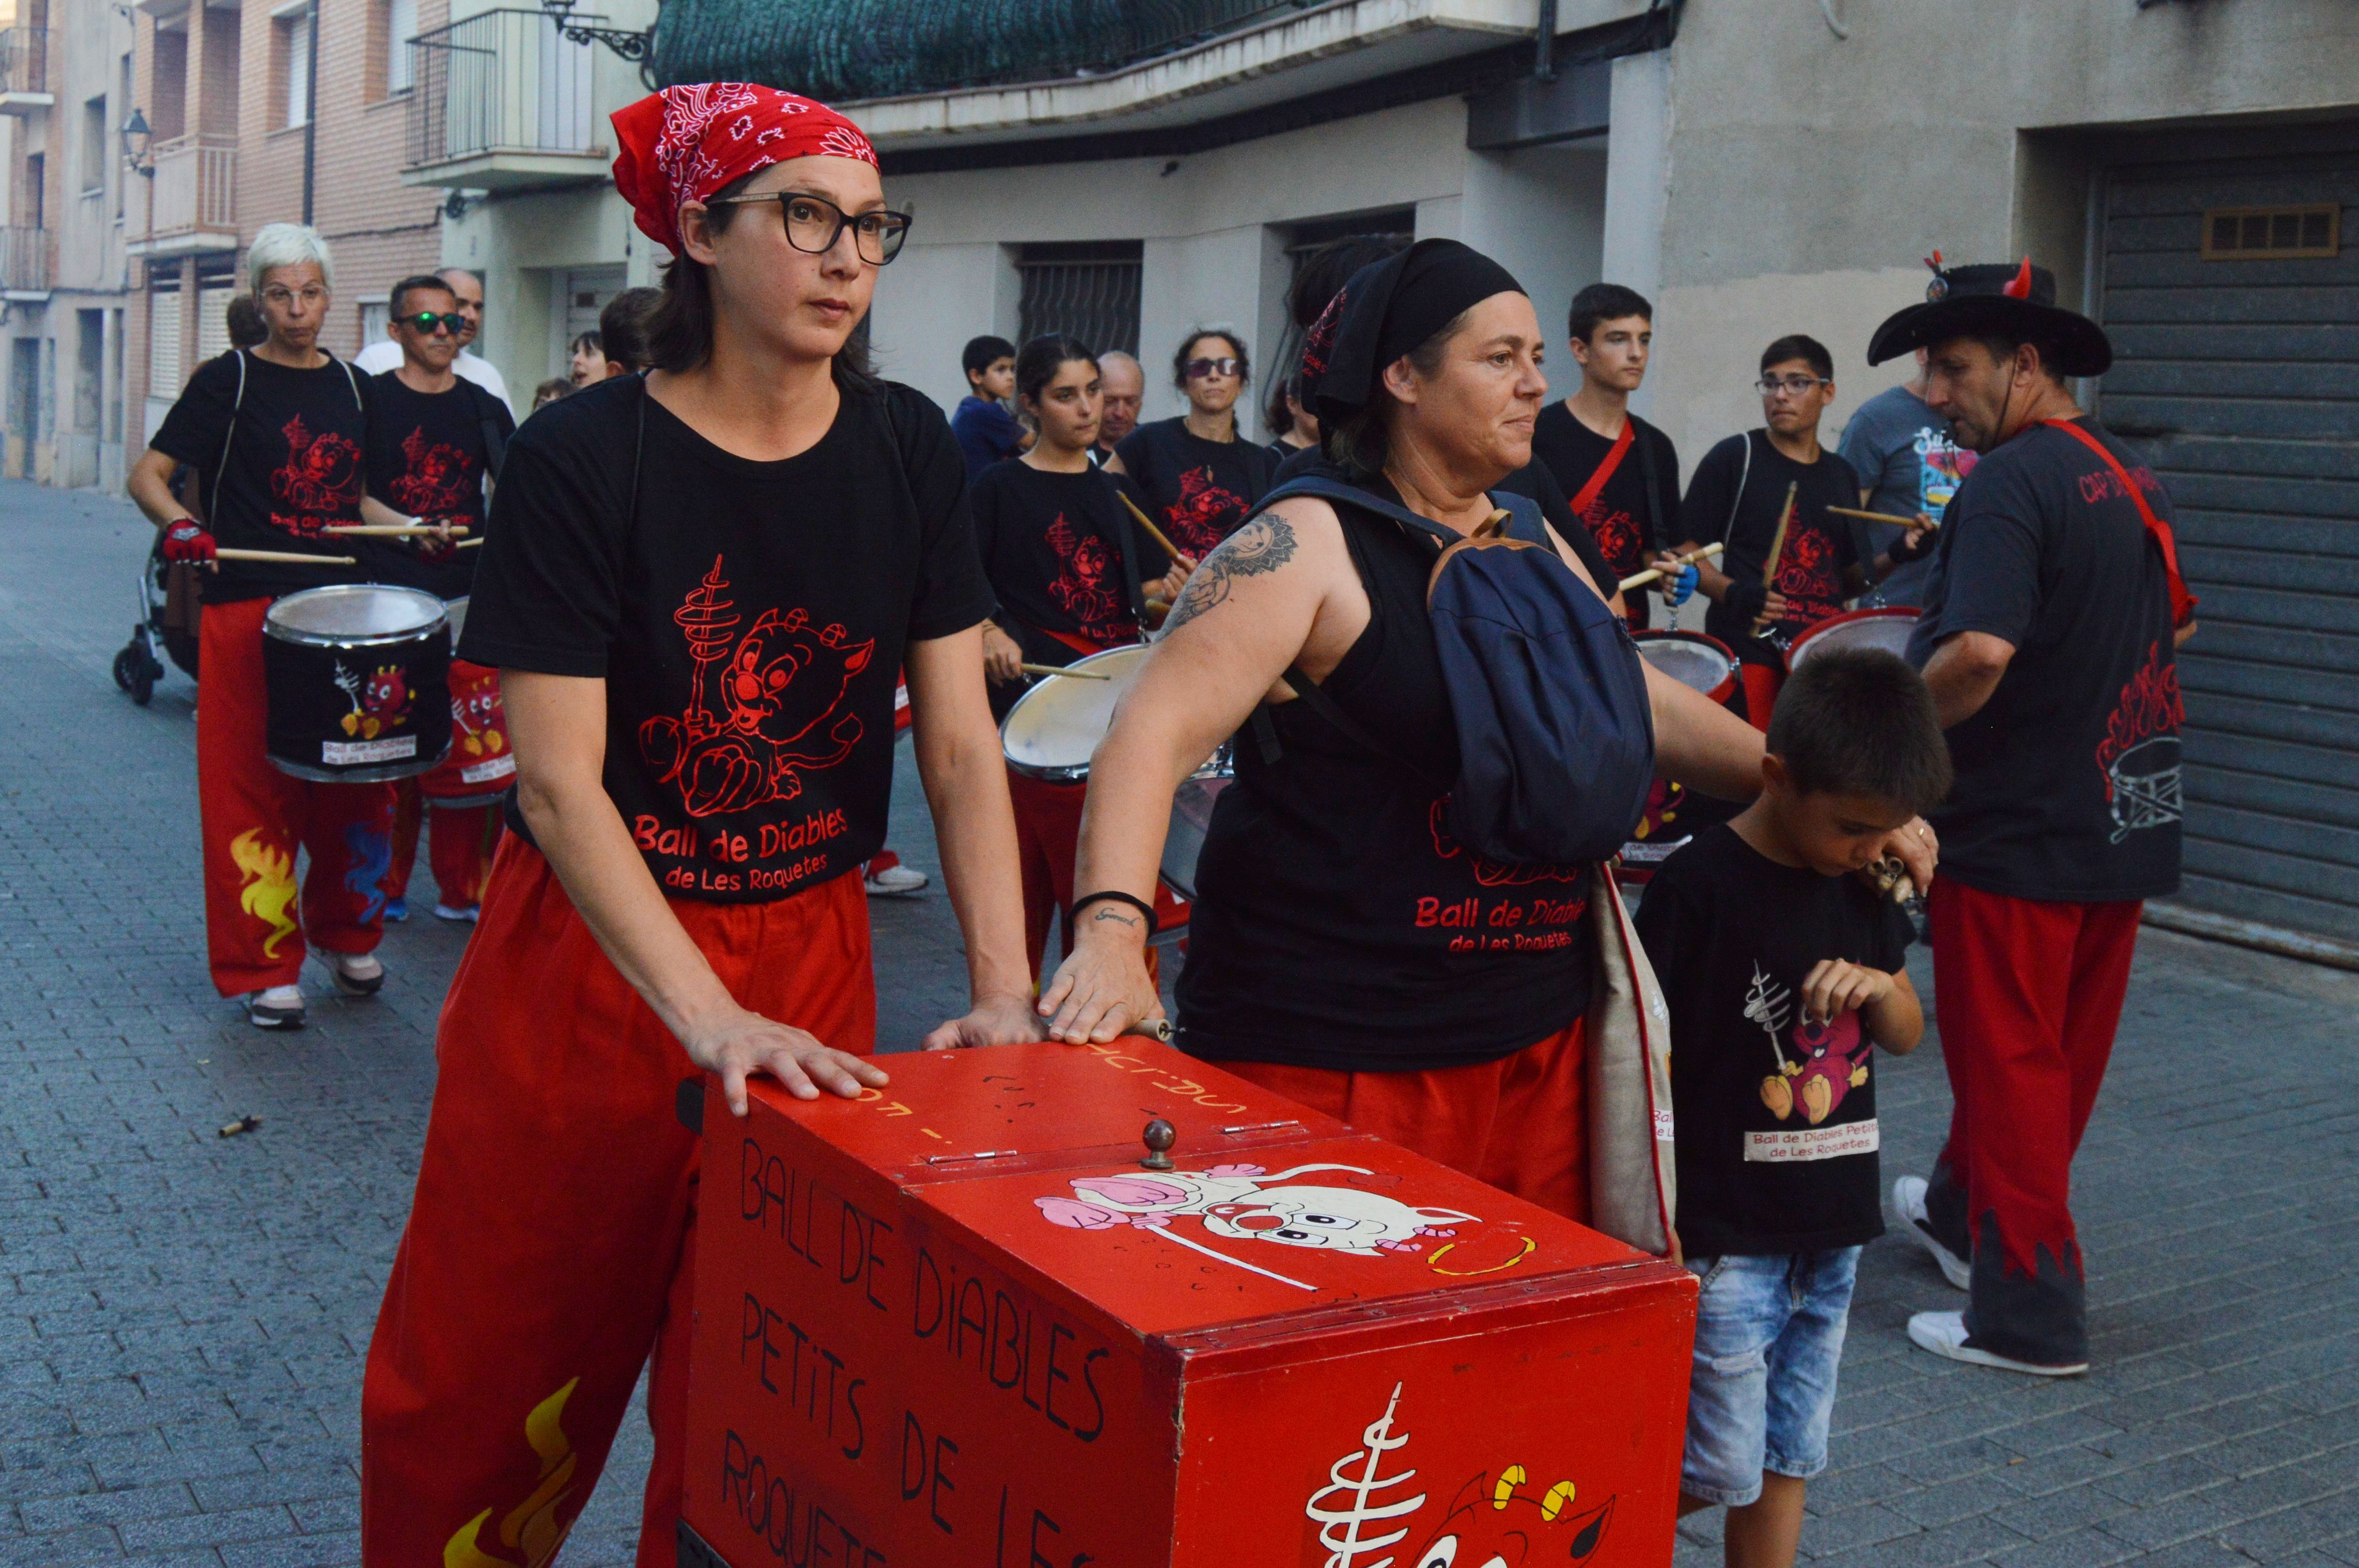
[(1903, 453)]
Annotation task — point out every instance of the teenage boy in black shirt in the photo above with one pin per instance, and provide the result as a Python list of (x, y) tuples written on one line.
[(1784, 974), (1736, 496), (2051, 622), (1621, 473), (434, 439)]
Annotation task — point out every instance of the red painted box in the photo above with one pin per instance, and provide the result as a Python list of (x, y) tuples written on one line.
[(957, 1324)]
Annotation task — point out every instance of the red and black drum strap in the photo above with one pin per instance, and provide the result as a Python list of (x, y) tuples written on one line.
[(2182, 603)]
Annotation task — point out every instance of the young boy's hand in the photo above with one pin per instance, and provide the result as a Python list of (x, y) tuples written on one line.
[(1838, 985)]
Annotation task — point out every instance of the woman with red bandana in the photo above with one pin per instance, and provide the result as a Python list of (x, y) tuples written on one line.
[(699, 585), (275, 433)]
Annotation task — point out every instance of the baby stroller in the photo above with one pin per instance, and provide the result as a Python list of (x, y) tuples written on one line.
[(162, 624)]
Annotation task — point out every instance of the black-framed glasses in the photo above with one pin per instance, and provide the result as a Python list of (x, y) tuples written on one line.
[(430, 323), (1790, 385), (1199, 369), (814, 224)]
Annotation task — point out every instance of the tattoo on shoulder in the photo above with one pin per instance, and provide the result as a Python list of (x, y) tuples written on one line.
[(1262, 546)]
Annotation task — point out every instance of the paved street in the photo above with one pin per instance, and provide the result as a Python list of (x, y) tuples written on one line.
[(184, 1316)]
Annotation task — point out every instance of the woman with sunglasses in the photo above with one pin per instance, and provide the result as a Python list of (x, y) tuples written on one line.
[(1199, 474), (699, 587), (275, 434), (434, 442)]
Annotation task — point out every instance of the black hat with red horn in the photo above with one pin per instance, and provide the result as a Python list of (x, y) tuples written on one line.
[(2018, 300)]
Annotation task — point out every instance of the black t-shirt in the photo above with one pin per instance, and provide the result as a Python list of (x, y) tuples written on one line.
[(295, 441), (1061, 553), (2067, 780), (1776, 1112), (1628, 529), (427, 458), (748, 619), (1819, 550), (1198, 491)]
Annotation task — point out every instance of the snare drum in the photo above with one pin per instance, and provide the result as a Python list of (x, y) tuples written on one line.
[(1673, 816), (357, 677), (1887, 627), (1054, 727), (1192, 814)]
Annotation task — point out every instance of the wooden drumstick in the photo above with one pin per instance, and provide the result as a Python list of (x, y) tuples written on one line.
[(1161, 540), (1060, 670), (466, 544), (1776, 553), (1885, 517), (287, 555), (389, 530), (1639, 580)]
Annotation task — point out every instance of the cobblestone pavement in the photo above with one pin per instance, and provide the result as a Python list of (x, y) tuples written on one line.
[(182, 1316)]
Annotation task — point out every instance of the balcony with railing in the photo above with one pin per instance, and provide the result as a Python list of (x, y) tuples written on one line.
[(191, 198), (503, 103), (27, 260), (25, 71)]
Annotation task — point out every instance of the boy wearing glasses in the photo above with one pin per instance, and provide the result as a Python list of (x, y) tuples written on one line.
[(1737, 496), (434, 442)]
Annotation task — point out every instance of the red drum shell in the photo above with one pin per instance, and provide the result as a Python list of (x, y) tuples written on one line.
[(1693, 660), (1688, 657), (1887, 626)]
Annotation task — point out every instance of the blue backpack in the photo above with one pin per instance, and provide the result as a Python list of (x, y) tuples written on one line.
[(1556, 735)]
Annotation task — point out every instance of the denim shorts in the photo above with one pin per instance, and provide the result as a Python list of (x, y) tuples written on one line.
[(1769, 1334)]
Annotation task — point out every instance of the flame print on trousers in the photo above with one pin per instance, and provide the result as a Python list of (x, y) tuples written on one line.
[(268, 886), (767, 704), (371, 851), (531, 1526)]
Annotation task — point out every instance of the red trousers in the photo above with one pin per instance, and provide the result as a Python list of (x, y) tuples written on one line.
[(459, 844), (2029, 994), (549, 1248), (255, 817), (1048, 833), (1518, 1123)]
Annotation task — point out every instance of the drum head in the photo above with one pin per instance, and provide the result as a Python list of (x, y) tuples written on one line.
[(1053, 728), (1887, 627), (353, 613), (1192, 814), (1690, 658)]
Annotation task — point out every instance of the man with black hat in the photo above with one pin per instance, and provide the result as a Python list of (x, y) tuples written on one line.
[(2052, 618)]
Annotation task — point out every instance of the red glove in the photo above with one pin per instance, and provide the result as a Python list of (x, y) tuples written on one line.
[(188, 541)]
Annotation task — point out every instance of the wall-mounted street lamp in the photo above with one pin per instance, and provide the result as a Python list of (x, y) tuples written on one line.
[(137, 143)]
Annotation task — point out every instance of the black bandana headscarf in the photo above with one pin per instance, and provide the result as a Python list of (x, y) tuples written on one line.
[(1389, 309)]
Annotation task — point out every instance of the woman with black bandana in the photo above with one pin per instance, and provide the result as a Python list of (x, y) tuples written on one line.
[(1330, 956)]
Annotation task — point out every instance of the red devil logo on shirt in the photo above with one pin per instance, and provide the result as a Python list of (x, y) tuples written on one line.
[(1083, 586), (433, 481), (320, 480), (1205, 514), (1807, 577), (2140, 752), (767, 704)]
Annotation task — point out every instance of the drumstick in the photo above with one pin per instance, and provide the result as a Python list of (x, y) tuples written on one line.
[(287, 555), (1060, 670), (1885, 517), (1162, 541), (1639, 580), (389, 530), (1777, 553), (466, 544)]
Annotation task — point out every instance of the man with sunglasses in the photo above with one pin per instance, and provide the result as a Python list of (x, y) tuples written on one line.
[(467, 288), (1737, 496), (434, 442)]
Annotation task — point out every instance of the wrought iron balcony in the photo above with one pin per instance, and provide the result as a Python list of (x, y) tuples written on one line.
[(27, 259), (849, 50), (24, 70), (502, 101)]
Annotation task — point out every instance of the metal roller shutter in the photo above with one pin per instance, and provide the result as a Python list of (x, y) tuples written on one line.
[(2236, 374)]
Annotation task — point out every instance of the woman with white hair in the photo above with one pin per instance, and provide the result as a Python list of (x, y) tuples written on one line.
[(275, 433)]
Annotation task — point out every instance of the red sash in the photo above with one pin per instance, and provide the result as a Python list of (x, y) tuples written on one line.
[(1075, 641), (2182, 603), (1596, 485)]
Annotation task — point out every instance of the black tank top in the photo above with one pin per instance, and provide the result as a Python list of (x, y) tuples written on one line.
[(1337, 924)]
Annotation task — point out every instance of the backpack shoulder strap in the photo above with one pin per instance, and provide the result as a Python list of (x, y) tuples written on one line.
[(1338, 494)]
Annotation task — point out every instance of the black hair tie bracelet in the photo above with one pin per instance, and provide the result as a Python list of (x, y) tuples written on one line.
[(1139, 904)]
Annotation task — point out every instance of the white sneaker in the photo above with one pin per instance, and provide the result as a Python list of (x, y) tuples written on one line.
[(1944, 1334), (468, 916), (1908, 1203), (355, 974), (280, 1007), (895, 882)]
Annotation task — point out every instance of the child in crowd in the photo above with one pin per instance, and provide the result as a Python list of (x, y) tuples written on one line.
[(984, 429), (1784, 971)]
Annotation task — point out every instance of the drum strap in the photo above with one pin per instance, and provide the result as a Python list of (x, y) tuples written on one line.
[(213, 515), (2182, 603), (1656, 541), (1606, 469), (1728, 530)]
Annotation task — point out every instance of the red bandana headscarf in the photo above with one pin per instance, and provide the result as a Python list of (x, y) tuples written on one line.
[(685, 143)]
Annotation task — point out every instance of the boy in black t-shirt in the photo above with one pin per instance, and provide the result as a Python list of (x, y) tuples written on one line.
[(1783, 973)]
